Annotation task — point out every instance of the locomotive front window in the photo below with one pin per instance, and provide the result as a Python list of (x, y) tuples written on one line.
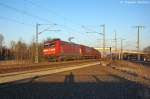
[(48, 45)]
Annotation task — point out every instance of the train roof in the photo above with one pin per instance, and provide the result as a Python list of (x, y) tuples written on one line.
[(57, 39), (51, 40)]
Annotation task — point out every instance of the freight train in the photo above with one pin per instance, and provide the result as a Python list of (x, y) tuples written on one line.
[(58, 50)]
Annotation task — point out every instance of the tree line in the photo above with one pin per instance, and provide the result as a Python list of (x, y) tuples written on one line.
[(19, 51)]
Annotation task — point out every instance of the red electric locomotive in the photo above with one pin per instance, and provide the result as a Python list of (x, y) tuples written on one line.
[(60, 50)]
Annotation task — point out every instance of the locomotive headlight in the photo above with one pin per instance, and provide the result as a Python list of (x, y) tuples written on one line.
[(45, 50), (53, 49)]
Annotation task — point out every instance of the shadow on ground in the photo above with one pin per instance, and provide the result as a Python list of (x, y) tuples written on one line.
[(69, 89)]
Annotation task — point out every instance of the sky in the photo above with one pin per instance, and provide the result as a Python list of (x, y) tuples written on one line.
[(74, 18)]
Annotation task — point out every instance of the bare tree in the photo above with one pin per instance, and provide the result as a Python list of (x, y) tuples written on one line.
[(1, 40), (20, 51), (32, 51), (12, 49), (1, 44)]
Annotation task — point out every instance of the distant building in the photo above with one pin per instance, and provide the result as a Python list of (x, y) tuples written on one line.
[(125, 54)]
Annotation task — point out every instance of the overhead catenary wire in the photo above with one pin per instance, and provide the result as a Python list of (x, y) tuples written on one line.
[(85, 28), (58, 15), (53, 12), (36, 17), (45, 9), (16, 21), (25, 12)]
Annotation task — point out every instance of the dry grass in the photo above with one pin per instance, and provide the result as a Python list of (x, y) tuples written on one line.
[(136, 68)]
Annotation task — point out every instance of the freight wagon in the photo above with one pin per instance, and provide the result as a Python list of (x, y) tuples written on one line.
[(57, 50)]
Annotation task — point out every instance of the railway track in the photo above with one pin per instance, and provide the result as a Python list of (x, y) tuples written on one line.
[(19, 75), (145, 63), (25, 67), (132, 71), (124, 72), (95, 80)]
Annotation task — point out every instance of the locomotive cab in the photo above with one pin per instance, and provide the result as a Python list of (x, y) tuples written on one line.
[(51, 49)]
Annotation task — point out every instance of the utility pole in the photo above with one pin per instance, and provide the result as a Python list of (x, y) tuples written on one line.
[(104, 43), (115, 42), (37, 33), (116, 56), (37, 50), (121, 54), (138, 39), (138, 36)]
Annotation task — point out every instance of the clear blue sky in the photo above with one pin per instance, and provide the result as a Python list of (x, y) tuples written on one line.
[(71, 15)]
